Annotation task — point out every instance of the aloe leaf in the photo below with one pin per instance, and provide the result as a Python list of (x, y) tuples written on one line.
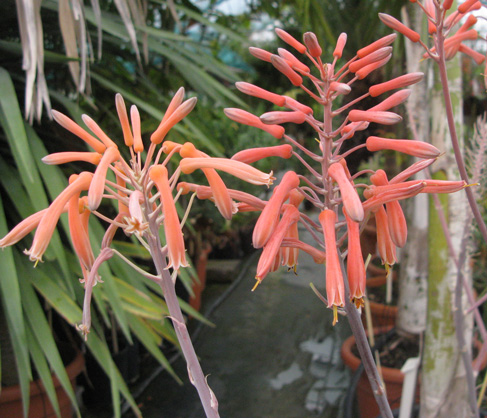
[(42, 369), (43, 335), (144, 335), (12, 309)]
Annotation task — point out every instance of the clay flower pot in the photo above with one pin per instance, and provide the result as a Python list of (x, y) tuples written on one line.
[(393, 379), (40, 406)]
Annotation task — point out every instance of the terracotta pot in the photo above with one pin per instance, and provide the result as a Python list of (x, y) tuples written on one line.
[(40, 406), (200, 283), (393, 379), (382, 315)]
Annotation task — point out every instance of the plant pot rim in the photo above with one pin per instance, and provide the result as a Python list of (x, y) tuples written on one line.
[(353, 362), (10, 393)]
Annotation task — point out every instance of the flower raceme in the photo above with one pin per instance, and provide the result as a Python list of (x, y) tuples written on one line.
[(328, 184)]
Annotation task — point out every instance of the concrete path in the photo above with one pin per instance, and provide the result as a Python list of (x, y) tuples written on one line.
[(272, 354)]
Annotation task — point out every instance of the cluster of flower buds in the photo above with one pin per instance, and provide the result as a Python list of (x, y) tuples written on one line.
[(329, 186), (442, 25)]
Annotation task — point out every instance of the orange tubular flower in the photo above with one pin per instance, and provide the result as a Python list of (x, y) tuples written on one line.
[(350, 198), (135, 119), (335, 289), (252, 155), (293, 61), (68, 157), (222, 198), (311, 42), (374, 46), (276, 118), (377, 116), (396, 83), (397, 221), (246, 118), (370, 59), (124, 120), (172, 228), (179, 114), (23, 229), (235, 168), (418, 149), (79, 233), (269, 217), (385, 246), (48, 222), (290, 40), (355, 263), (394, 24), (342, 40), (282, 65), (74, 128), (271, 249), (95, 194), (289, 255), (255, 91)]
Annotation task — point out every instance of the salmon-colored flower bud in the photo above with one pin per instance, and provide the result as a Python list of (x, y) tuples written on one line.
[(295, 198), (476, 56), (350, 198), (395, 24), (246, 118), (343, 163), (467, 5), (374, 46), (22, 229), (378, 196), (396, 83), (385, 246), (221, 196), (261, 93), (70, 156), (365, 71), (412, 170), (281, 65), (469, 22), (95, 193), (252, 155), (311, 42), (269, 217), (340, 88), (122, 207), (418, 149), (261, 54), (95, 128), (124, 120), (335, 288), (79, 233), (447, 4), (469, 35), (290, 40), (443, 186), (172, 228), (351, 128), (47, 224), (319, 257), (355, 262), (342, 40), (373, 57), (276, 118), (74, 128), (179, 114), (293, 61), (377, 116), (236, 168), (393, 100), (295, 105), (271, 249), (398, 227), (135, 119), (379, 178), (289, 255)]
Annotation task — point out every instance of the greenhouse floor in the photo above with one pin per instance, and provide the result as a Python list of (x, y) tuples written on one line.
[(273, 353)]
